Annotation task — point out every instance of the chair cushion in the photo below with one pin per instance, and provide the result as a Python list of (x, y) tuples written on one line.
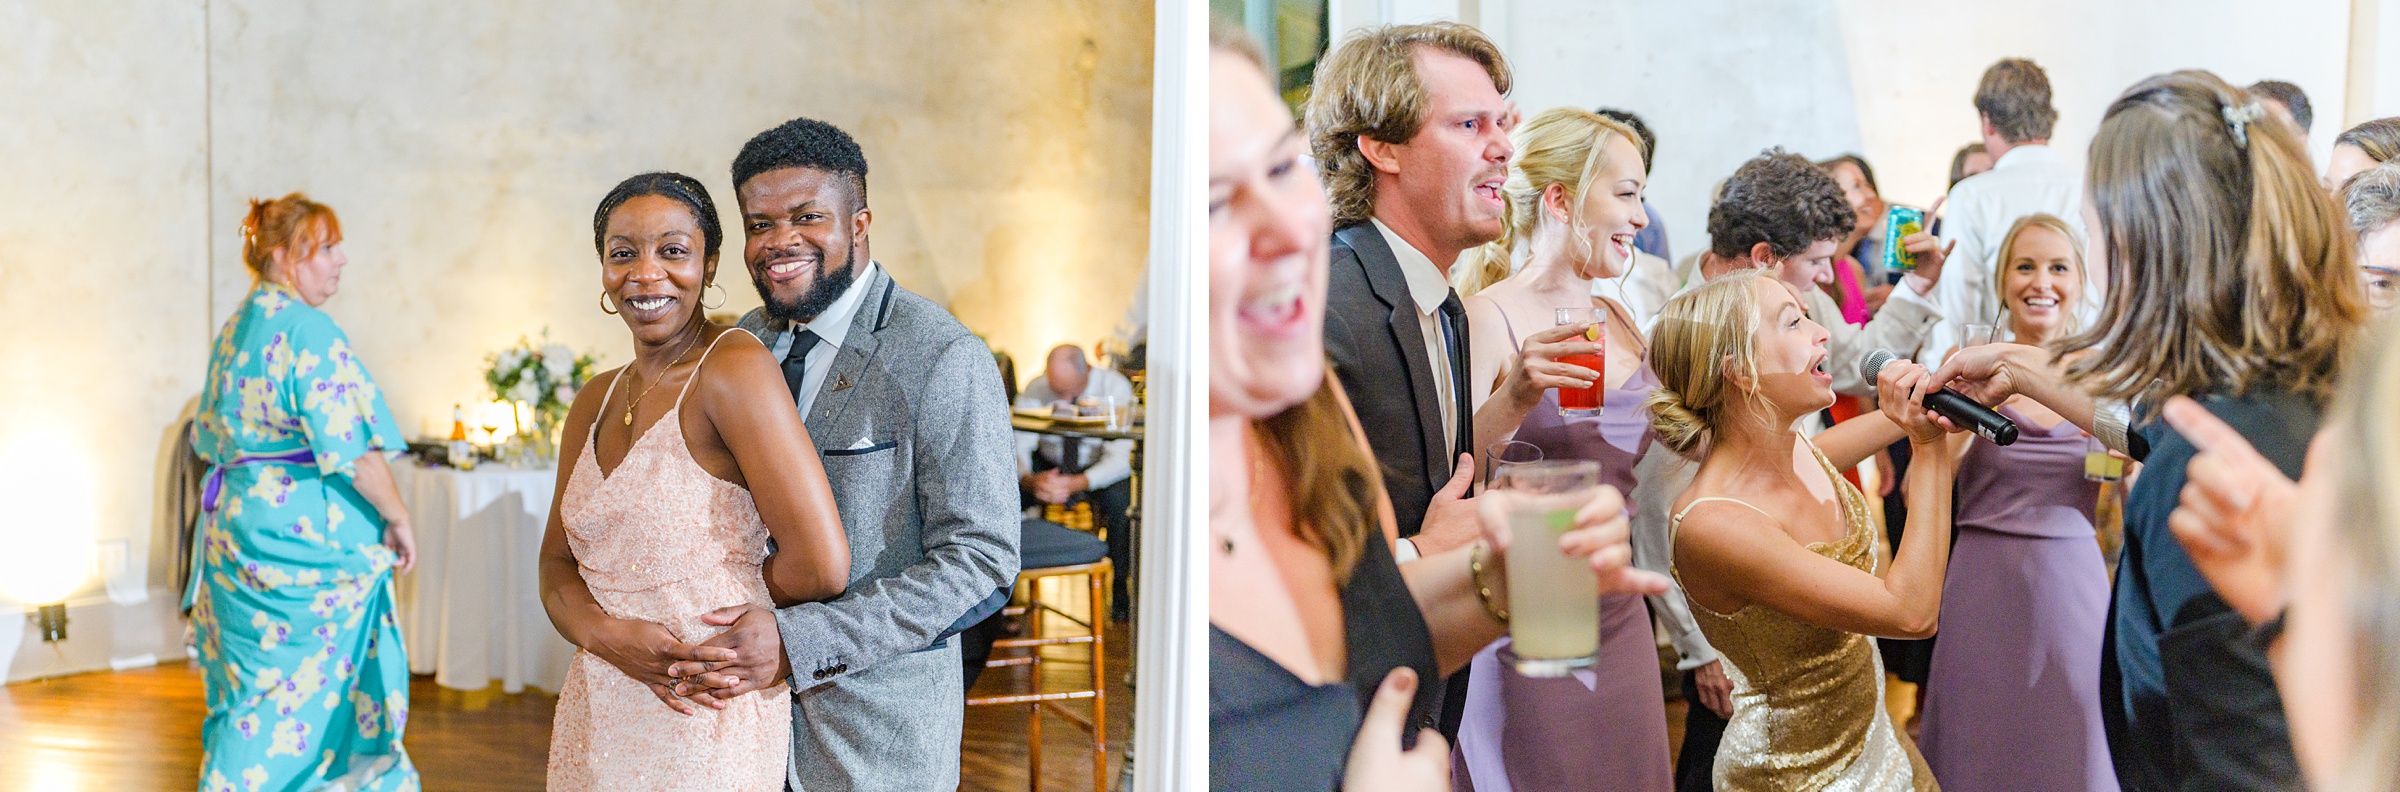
[(1049, 544)]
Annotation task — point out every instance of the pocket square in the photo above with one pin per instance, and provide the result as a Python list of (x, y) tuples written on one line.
[(862, 443)]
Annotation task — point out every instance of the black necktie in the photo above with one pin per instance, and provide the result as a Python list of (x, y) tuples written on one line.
[(795, 365), (1070, 452), (1454, 336)]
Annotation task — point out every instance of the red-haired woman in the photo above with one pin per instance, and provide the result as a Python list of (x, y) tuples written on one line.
[(301, 532)]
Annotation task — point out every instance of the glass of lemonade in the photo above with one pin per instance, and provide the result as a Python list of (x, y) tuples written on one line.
[(1553, 599), (2100, 465)]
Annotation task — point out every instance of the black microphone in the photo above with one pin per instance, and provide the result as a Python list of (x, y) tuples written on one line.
[(1951, 404)]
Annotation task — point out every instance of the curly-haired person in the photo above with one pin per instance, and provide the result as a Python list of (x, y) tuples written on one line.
[(1781, 212)]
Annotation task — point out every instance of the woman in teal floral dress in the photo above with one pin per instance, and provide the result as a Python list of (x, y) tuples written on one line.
[(301, 533)]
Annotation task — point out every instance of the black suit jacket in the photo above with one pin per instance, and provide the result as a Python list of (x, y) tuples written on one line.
[(1378, 350)]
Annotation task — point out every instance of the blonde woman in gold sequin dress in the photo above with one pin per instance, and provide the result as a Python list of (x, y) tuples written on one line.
[(1778, 554), (676, 471)]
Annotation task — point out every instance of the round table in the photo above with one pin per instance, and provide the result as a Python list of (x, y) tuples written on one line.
[(471, 611)]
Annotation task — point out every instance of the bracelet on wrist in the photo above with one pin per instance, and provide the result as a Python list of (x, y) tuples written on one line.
[(1483, 589)]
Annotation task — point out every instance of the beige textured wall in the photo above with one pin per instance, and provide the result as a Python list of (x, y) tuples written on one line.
[(102, 262), (464, 145)]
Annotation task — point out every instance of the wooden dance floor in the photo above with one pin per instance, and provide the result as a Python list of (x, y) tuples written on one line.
[(140, 729)]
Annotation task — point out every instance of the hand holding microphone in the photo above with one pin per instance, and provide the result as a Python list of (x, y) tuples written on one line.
[(1961, 411)]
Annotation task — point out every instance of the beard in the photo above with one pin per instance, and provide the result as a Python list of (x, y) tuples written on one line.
[(828, 287)]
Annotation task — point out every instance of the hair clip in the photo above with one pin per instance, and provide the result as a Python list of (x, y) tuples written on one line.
[(2240, 117)]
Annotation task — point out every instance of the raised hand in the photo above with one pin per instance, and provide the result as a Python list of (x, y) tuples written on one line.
[(1536, 366), (1931, 255), (1377, 764), (2233, 510), (1601, 536), (1986, 373), (1900, 390)]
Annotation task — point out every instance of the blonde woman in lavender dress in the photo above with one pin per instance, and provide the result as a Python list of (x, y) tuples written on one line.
[(1574, 201), (2012, 700), (677, 471)]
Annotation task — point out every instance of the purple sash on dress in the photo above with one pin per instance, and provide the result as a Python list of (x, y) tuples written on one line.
[(214, 485)]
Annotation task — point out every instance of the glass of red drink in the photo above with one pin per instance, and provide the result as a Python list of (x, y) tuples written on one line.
[(1576, 402)]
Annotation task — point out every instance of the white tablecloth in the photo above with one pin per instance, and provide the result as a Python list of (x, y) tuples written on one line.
[(471, 612)]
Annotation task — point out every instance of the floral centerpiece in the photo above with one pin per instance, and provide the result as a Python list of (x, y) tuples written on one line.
[(541, 378)]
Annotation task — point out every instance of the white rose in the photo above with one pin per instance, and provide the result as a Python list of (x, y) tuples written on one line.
[(524, 391), (564, 394), (511, 359), (559, 360)]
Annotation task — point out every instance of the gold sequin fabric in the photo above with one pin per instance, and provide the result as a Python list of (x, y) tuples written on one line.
[(661, 540), (1808, 701)]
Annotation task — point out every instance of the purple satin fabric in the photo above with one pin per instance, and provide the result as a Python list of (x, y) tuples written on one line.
[(2012, 700), (1602, 727), (214, 485)]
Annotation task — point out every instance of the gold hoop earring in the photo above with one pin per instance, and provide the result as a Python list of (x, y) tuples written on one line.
[(605, 307), (720, 297)]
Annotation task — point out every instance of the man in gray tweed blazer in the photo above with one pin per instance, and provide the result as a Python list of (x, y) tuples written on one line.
[(906, 409)]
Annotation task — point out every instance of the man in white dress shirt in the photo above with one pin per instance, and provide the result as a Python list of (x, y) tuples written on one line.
[(2027, 177), (1060, 470)]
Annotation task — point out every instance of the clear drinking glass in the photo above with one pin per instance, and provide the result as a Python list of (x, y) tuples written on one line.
[(1500, 455), (1553, 598), (1975, 335), (1574, 402)]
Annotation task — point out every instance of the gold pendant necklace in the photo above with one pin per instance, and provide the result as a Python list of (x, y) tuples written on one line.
[(637, 400)]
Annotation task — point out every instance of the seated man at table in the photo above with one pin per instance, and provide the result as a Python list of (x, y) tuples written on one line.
[(1061, 470)]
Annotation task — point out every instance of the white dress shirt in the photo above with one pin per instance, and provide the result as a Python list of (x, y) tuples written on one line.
[(2029, 179), (1428, 289), (1104, 464), (1659, 478), (832, 328)]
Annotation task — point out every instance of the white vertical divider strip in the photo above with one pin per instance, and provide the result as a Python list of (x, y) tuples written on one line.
[(1492, 17), (2383, 88), (2358, 94), (1170, 734)]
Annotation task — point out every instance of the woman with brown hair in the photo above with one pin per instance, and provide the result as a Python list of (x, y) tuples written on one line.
[(2359, 148), (2325, 550), (2230, 280), (1311, 621), (301, 532)]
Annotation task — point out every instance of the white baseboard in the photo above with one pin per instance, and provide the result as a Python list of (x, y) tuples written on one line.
[(102, 634)]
